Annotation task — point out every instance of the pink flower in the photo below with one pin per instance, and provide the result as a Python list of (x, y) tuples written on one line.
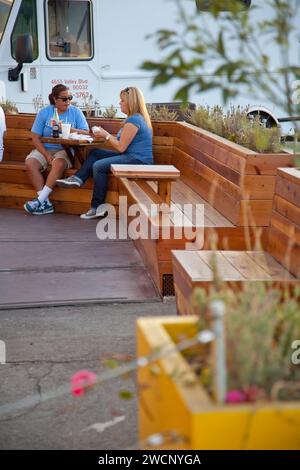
[(235, 396), (81, 381)]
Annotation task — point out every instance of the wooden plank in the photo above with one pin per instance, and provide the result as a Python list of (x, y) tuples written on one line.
[(188, 132), (271, 266), (145, 171), (285, 208), (286, 226), (64, 207), (192, 266), (164, 191), (254, 213), (149, 191), (284, 251), (263, 164), (225, 269), (259, 186), (292, 174), (288, 189), (163, 141), (223, 202), (214, 178), (183, 194), (246, 266)]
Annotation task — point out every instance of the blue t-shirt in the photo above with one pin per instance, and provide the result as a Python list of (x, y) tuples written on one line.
[(42, 123), (141, 145)]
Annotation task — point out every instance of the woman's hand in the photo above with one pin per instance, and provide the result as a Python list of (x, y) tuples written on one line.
[(99, 132)]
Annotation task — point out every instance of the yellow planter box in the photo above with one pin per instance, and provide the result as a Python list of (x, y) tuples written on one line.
[(173, 403)]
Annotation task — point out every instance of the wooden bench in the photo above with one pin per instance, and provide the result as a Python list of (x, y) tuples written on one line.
[(15, 187), (141, 174), (236, 187), (279, 264)]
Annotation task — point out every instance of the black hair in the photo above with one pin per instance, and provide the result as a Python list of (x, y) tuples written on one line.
[(56, 91)]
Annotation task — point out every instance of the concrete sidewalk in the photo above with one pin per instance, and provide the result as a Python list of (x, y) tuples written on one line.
[(45, 347)]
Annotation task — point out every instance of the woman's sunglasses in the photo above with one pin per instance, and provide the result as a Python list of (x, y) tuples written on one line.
[(65, 98)]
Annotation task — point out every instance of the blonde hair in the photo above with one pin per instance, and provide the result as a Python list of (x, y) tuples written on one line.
[(135, 101)]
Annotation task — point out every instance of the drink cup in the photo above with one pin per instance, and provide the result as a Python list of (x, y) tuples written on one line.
[(65, 130)]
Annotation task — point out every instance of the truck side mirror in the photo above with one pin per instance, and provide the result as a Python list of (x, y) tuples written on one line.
[(24, 54)]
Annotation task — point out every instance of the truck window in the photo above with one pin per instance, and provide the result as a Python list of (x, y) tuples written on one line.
[(26, 22), (5, 8), (69, 30)]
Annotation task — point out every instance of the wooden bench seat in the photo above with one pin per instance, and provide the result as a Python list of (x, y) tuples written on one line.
[(156, 252), (279, 264), (15, 189), (141, 174)]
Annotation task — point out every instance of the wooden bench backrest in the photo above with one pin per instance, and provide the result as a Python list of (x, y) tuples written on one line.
[(284, 232)]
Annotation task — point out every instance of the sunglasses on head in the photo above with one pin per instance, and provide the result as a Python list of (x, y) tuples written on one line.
[(126, 90), (65, 98)]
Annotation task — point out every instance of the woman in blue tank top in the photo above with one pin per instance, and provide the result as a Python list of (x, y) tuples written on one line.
[(132, 145)]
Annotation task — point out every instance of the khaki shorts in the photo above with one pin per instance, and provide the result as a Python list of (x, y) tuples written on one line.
[(55, 154)]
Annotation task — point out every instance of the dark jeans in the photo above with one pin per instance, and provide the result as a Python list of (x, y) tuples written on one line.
[(98, 165)]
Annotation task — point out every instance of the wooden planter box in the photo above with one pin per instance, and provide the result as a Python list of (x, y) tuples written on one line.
[(284, 232), (172, 401), (238, 182)]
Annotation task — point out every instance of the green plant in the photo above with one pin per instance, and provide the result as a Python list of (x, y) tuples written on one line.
[(9, 107), (161, 113), (234, 46), (261, 325), (236, 127), (89, 106), (110, 112)]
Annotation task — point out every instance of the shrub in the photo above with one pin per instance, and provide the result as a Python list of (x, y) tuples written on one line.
[(9, 107), (110, 112), (236, 126), (261, 326), (161, 113)]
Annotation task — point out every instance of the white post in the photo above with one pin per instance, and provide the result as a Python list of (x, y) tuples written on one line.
[(220, 373)]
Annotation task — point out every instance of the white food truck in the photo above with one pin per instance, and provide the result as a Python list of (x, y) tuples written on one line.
[(94, 47)]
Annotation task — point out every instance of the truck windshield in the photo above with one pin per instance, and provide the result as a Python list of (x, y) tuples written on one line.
[(69, 30), (5, 8)]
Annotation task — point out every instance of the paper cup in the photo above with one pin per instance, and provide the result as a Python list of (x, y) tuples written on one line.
[(65, 130)]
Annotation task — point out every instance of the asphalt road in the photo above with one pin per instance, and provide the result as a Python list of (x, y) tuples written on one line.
[(44, 348)]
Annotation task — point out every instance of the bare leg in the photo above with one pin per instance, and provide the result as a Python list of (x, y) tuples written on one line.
[(58, 167), (33, 168)]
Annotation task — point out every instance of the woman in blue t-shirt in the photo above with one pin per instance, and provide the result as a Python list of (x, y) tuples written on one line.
[(132, 145), (49, 156)]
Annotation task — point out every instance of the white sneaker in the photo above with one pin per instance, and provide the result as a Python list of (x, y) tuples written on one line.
[(92, 214)]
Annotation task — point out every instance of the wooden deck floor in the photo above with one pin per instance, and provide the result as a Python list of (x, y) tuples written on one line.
[(57, 259)]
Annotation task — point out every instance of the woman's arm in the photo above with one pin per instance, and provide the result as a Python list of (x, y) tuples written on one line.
[(36, 140), (128, 134)]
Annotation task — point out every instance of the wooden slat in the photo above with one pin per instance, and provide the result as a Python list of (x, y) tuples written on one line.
[(149, 191), (145, 171), (246, 266), (192, 266), (271, 266), (183, 194), (268, 164), (286, 226), (285, 208), (284, 251), (292, 174), (225, 270), (288, 189), (254, 213)]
